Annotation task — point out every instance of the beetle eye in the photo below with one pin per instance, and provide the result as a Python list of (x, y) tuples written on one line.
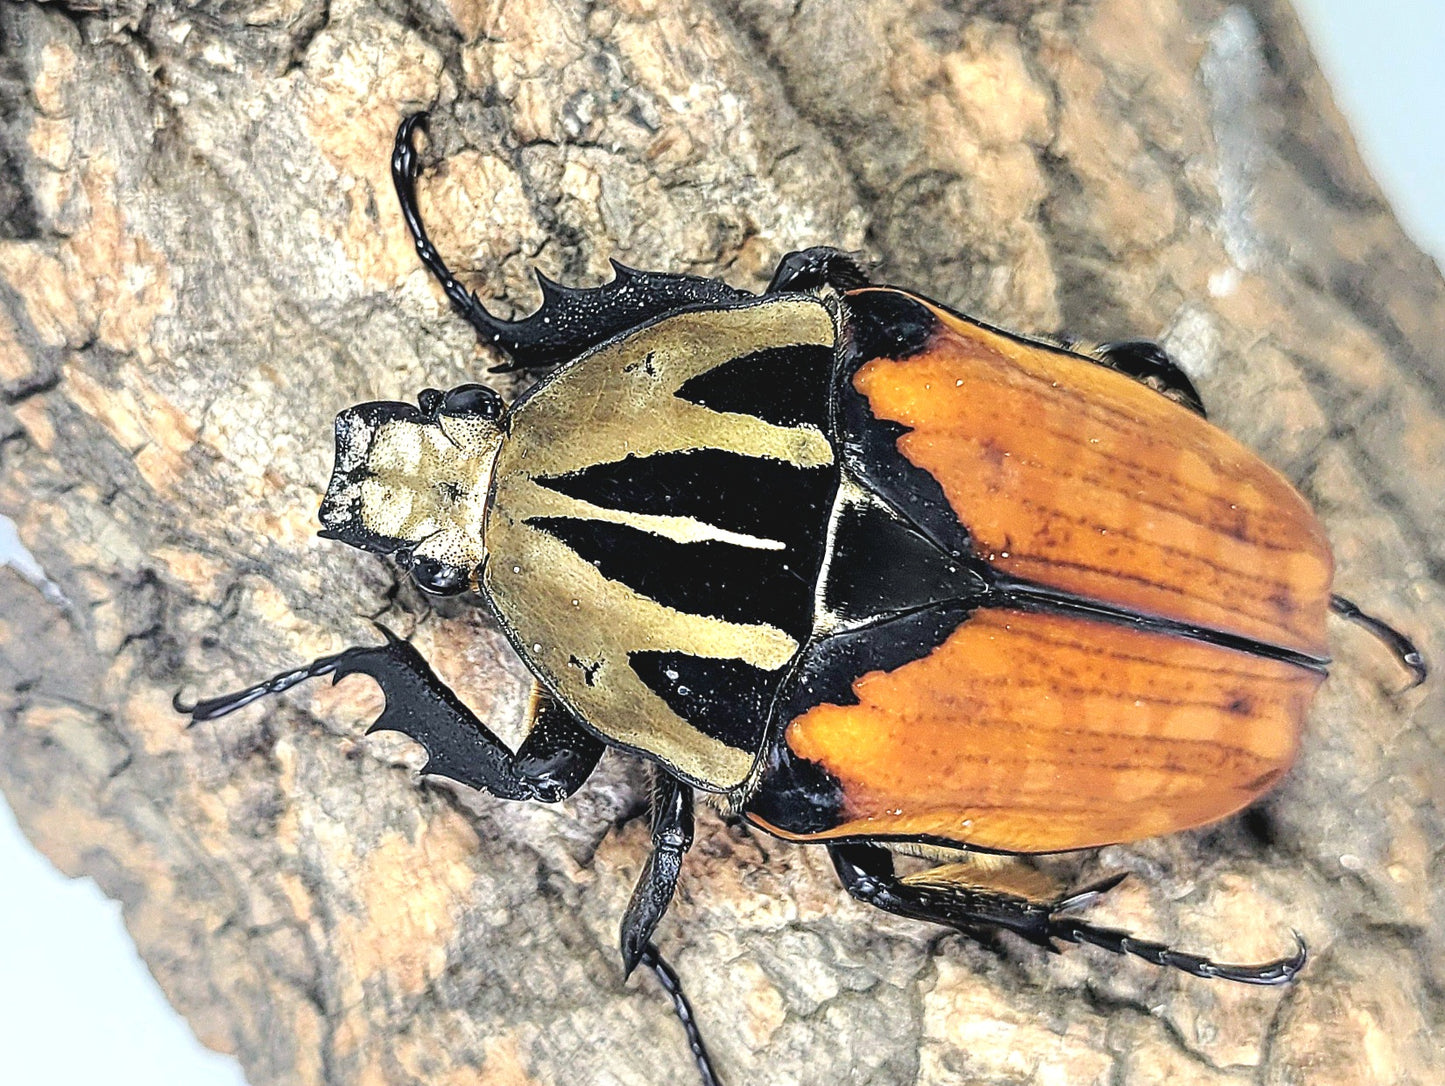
[(472, 400), (438, 578)]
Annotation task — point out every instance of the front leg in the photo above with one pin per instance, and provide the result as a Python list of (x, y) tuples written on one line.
[(552, 762), (671, 838), (571, 320)]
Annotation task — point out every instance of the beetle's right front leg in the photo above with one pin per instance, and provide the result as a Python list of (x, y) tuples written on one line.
[(552, 762)]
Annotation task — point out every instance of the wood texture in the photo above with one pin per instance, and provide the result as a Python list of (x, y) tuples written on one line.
[(201, 262)]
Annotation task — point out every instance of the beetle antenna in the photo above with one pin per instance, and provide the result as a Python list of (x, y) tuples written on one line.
[(668, 978), (1404, 649)]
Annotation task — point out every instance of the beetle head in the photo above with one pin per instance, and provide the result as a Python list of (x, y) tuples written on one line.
[(412, 482)]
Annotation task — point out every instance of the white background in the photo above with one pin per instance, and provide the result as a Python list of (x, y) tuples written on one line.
[(77, 1006)]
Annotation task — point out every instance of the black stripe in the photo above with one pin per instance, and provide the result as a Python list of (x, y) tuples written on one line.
[(799, 796), (787, 386), (890, 324), (735, 584), (755, 495), (726, 700), (1033, 597), (829, 667)]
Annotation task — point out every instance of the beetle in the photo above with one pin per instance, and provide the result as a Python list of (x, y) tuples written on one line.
[(866, 571)]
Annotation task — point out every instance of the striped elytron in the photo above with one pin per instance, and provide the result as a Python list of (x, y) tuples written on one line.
[(867, 571)]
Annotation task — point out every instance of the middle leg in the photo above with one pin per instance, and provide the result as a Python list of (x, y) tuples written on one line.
[(671, 838)]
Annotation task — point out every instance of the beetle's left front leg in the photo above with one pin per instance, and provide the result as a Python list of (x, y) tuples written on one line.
[(671, 838), (552, 762)]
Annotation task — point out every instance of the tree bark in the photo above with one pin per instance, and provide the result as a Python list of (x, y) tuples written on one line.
[(201, 261)]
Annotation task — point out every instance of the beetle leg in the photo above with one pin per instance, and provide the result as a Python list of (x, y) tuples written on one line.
[(1404, 649), (558, 754), (667, 977), (1146, 361), (571, 319), (820, 266), (405, 166), (671, 838), (867, 873), (552, 762)]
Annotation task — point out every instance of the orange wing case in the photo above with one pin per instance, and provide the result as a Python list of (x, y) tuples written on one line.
[(1032, 730)]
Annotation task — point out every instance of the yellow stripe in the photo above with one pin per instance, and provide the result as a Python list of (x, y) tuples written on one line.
[(577, 628)]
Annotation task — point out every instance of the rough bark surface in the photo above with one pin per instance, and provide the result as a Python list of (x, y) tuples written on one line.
[(201, 261)]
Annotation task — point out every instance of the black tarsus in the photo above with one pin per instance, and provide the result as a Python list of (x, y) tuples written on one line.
[(671, 838), (212, 708), (1404, 650), (672, 803), (405, 167), (668, 978), (571, 320), (1146, 361), (552, 762), (866, 871)]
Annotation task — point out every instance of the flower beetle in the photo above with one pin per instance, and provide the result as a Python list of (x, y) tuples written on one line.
[(868, 572)]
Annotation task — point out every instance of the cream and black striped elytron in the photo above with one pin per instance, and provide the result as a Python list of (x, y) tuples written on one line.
[(868, 572)]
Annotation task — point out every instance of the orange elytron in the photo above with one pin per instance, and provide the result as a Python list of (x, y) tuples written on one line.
[(1151, 630)]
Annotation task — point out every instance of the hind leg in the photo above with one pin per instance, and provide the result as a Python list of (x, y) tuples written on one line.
[(866, 872)]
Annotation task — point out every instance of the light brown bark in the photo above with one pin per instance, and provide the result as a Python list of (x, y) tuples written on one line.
[(201, 262)]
